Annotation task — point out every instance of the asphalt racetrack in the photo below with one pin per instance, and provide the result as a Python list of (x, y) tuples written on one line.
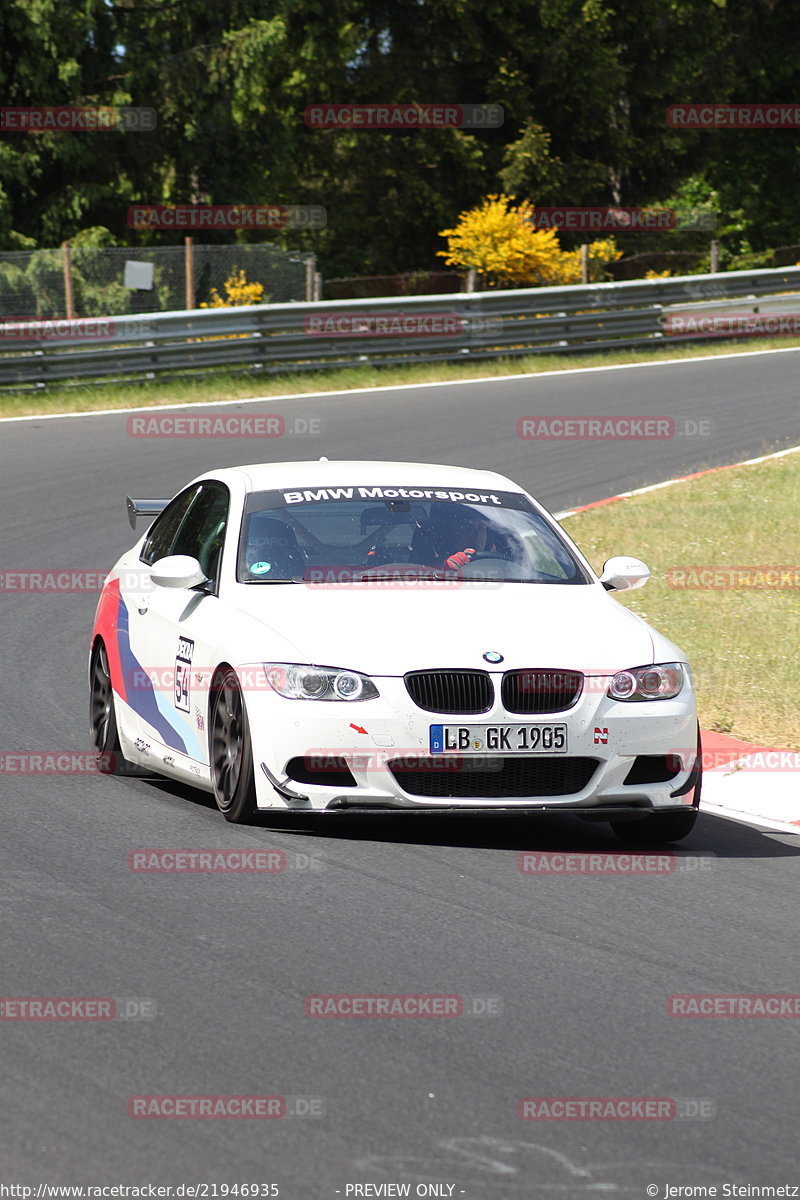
[(581, 965)]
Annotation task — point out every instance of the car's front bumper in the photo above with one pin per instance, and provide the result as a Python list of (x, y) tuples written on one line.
[(368, 735)]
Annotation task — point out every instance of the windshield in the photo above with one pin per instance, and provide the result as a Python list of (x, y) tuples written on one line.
[(303, 536)]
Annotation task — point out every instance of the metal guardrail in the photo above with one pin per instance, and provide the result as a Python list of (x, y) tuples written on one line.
[(284, 337)]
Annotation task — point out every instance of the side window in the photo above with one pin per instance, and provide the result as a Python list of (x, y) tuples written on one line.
[(203, 530), (158, 543)]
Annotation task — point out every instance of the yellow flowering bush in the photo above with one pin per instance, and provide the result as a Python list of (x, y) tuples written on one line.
[(603, 251), (501, 242), (238, 292)]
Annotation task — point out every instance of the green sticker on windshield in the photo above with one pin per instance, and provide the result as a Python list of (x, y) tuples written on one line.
[(260, 568)]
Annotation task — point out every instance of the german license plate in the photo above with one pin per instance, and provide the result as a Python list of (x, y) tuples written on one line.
[(498, 739)]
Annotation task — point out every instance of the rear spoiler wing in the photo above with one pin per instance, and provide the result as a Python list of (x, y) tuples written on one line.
[(143, 508)]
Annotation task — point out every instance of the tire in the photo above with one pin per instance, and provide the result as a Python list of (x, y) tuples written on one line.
[(103, 720), (655, 829), (230, 750), (665, 827)]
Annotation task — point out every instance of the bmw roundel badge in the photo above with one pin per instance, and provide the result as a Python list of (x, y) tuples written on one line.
[(491, 656)]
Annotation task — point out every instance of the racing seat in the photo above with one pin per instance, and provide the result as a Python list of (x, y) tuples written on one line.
[(387, 532), (272, 541), (424, 547)]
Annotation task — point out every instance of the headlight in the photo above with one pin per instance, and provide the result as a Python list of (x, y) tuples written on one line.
[(660, 682), (298, 682)]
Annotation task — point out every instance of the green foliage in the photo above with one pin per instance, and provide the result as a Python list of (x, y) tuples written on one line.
[(17, 293), (585, 85), (45, 275)]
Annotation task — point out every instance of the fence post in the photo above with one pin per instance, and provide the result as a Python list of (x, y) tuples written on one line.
[(188, 256), (317, 287), (311, 263), (69, 299), (714, 266), (584, 263)]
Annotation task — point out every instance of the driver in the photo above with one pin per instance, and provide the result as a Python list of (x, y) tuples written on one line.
[(453, 535)]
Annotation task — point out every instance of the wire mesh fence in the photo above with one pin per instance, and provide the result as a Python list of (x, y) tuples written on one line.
[(112, 280), (409, 283)]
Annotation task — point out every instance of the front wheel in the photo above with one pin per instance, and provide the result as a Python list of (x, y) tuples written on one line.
[(231, 750), (658, 828), (667, 827), (105, 735)]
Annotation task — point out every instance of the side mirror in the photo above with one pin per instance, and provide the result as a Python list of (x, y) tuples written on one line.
[(622, 574), (177, 571)]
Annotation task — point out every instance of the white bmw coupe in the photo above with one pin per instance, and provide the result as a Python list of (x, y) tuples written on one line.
[(342, 637)]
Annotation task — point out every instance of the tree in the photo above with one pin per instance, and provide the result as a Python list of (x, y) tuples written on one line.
[(54, 183), (584, 85)]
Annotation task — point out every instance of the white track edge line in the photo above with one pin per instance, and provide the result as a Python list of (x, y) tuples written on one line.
[(654, 487)]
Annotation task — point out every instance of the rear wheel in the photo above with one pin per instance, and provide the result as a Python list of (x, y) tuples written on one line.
[(230, 750), (105, 735)]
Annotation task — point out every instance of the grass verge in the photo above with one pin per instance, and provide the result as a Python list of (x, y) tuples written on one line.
[(221, 386), (742, 642)]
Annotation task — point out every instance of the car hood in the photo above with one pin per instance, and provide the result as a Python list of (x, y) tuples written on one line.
[(382, 630)]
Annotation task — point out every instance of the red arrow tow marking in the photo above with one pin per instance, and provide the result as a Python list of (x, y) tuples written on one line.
[(357, 728)]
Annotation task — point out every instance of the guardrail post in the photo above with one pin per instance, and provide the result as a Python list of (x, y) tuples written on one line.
[(714, 257)]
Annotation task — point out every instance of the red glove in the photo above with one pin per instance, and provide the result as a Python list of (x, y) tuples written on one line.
[(460, 558)]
